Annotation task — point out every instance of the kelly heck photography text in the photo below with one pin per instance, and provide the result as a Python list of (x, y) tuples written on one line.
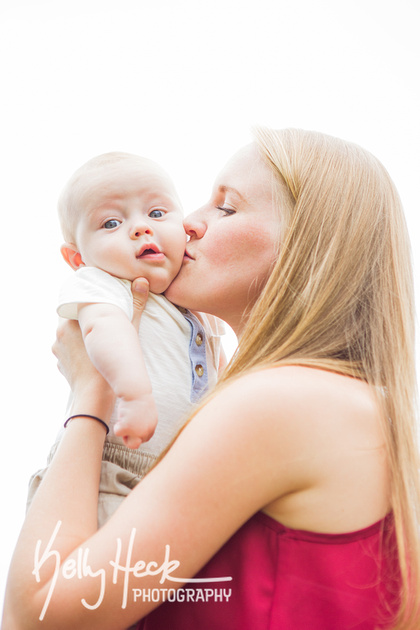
[(79, 567)]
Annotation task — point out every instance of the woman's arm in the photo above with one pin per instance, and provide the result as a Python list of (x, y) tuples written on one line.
[(259, 439), (69, 487), (224, 467)]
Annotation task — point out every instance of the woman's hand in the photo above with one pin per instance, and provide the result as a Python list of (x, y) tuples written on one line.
[(87, 384), (140, 291), (91, 392), (72, 358)]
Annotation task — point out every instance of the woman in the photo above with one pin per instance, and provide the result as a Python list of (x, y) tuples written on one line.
[(298, 478)]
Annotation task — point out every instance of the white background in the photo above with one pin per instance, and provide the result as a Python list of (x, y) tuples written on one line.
[(180, 81)]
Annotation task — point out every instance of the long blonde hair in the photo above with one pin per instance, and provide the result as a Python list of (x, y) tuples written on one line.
[(340, 297)]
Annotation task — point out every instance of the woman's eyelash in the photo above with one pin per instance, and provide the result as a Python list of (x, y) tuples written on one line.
[(227, 210)]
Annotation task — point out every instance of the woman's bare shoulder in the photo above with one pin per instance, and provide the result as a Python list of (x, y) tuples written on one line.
[(301, 409), (321, 433), (303, 391)]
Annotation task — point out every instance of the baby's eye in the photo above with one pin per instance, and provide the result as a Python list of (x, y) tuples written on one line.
[(111, 224), (156, 214)]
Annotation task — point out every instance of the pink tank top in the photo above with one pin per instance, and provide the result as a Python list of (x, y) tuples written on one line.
[(286, 579)]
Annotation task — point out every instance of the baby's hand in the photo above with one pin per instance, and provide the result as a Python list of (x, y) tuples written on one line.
[(137, 420)]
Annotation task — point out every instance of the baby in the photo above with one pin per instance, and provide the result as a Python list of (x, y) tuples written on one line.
[(122, 219)]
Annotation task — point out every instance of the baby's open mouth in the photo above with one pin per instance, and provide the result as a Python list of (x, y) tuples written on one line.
[(151, 253), (147, 252)]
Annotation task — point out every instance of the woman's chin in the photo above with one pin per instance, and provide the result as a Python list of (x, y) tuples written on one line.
[(172, 294), (179, 292)]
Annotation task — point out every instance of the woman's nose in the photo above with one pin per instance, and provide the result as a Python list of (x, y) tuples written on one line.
[(194, 225), (140, 228)]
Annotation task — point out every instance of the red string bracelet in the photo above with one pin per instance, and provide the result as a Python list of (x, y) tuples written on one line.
[(86, 415)]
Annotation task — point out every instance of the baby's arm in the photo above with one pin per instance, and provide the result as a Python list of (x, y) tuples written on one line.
[(114, 348)]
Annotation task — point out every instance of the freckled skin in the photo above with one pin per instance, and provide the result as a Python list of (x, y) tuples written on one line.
[(232, 242)]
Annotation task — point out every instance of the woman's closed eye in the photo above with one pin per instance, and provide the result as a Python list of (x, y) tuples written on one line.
[(227, 211)]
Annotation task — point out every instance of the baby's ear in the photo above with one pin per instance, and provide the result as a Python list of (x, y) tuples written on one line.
[(72, 256)]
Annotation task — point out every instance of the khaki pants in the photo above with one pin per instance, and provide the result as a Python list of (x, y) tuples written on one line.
[(118, 477)]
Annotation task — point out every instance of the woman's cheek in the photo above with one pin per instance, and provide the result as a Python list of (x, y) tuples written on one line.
[(248, 242)]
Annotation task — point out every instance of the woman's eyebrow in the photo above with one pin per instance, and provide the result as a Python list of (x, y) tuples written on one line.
[(231, 190)]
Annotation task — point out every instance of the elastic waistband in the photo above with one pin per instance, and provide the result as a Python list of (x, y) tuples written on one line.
[(136, 462)]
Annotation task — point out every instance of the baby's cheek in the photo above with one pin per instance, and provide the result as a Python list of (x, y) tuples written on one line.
[(159, 280)]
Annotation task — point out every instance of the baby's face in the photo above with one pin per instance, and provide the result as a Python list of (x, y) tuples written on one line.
[(131, 224)]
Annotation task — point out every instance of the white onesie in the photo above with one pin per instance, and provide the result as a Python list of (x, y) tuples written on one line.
[(181, 351)]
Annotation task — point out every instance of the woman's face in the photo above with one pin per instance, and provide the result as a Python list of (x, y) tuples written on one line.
[(232, 242)]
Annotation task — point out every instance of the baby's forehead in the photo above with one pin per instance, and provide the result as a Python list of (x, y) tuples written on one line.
[(134, 176), (137, 166)]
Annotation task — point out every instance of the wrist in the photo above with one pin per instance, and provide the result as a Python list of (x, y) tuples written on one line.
[(88, 417), (95, 399)]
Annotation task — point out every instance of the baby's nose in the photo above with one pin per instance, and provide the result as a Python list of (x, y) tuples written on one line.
[(140, 229)]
